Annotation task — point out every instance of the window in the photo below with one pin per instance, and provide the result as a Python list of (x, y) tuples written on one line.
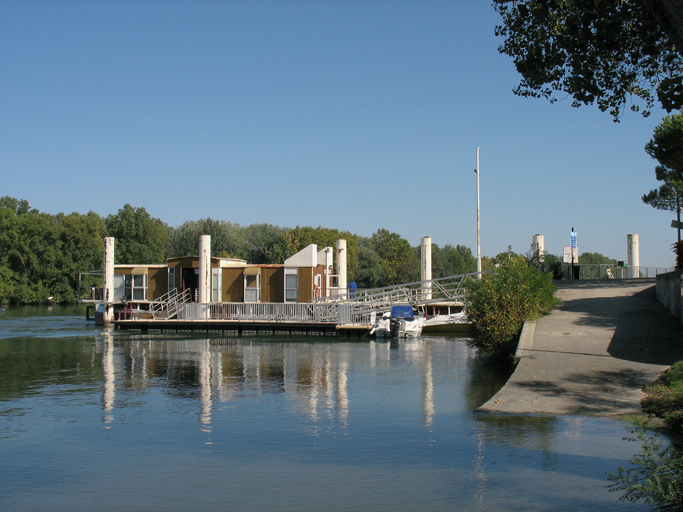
[(252, 288), (130, 287), (291, 285), (171, 280), (217, 285), (119, 287), (136, 287)]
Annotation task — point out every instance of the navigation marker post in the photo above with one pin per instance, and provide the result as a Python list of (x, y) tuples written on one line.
[(573, 246)]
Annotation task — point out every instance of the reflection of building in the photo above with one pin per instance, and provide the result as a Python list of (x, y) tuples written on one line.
[(314, 379)]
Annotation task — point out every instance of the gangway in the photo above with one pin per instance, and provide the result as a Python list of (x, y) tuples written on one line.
[(357, 308)]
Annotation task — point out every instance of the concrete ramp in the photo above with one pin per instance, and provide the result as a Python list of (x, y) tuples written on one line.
[(594, 354)]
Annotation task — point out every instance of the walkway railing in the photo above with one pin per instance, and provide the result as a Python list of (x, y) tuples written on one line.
[(612, 271), (166, 306), (345, 308), (419, 292), (261, 312)]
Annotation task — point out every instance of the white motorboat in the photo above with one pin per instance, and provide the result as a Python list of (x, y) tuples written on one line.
[(382, 327)]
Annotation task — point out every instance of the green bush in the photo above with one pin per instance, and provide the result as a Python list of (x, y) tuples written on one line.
[(664, 397), (503, 300), (656, 473)]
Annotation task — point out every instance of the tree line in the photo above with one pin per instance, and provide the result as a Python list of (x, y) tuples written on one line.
[(42, 255)]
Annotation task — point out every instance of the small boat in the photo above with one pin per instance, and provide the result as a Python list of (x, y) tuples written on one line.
[(382, 327), (403, 323), (447, 318)]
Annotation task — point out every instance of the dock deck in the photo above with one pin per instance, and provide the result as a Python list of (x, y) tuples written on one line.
[(244, 327)]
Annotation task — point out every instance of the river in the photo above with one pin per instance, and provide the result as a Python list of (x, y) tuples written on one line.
[(97, 419)]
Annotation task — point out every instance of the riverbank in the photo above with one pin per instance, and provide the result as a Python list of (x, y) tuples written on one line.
[(593, 354)]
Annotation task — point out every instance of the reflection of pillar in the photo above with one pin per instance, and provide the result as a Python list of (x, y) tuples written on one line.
[(343, 392), (109, 391), (479, 469), (633, 256), (205, 386), (341, 265), (426, 266), (427, 387)]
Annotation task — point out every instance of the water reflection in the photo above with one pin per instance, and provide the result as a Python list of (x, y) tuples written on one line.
[(176, 422), (109, 388), (313, 376)]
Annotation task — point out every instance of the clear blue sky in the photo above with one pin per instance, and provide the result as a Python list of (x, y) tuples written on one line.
[(344, 114)]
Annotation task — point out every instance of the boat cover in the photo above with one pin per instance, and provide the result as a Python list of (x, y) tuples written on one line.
[(402, 312)]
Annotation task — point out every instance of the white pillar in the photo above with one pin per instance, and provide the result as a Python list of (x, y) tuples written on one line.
[(633, 256), (341, 265), (538, 246), (205, 269), (426, 266), (108, 288), (329, 269)]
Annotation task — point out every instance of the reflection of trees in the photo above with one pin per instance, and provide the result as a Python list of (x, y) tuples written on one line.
[(28, 363), (520, 431), (486, 379)]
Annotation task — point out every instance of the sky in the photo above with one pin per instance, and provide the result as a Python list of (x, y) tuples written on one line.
[(352, 115)]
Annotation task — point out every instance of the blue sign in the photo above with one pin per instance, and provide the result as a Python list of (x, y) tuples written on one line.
[(572, 241)]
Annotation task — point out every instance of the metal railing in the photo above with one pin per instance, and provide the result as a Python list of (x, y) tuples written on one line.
[(166, 306), (419, 292), (258, 312), (612, 271), (344, 308)]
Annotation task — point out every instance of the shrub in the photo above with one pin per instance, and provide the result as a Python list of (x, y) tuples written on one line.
[(656, 473), (664, 397), (503, 300), (678, 249)]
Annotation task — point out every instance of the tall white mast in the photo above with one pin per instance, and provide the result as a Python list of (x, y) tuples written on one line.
[(478, 221)]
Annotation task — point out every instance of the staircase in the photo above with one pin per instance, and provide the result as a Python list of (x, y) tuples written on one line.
[(166, 306)]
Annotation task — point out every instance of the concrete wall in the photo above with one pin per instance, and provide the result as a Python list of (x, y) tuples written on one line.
[(669, 292)]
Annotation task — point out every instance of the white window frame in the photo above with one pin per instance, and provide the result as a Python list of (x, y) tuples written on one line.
[(171, 279), (291, 292), (127, 289), (249, 290), (216, 285), (119, 287)]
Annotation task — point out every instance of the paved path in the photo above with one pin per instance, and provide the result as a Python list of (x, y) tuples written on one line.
[(593, 355)]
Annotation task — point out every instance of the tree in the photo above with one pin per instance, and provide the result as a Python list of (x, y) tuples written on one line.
[(504, 299), (226, 239), (666, 147), (606, 52), (369, 271), (397, 257), (266, 243), (595, 258), (18, 206), (451, 261), (140, 237), (301, 237)]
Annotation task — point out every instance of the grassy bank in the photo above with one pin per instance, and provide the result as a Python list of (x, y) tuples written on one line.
[(664, 398)]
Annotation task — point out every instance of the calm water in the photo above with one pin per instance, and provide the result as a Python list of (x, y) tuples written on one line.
[(108, 420)]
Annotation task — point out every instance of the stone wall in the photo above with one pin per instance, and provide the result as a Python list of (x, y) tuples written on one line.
[(669, 292)]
